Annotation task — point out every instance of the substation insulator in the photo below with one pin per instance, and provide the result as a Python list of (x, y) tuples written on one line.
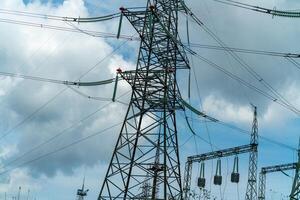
[(217, 180), (201, 180), (235, 175), (218, 176)]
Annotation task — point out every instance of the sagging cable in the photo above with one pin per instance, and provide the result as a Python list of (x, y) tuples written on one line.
[(88, 96), (197, 112), (189, 45), (40, 79), (273, 12), (285, 173), (189, 125), (60, 18)]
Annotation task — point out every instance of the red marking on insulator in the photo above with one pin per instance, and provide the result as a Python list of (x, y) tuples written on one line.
[(119, 70), (152, 7)]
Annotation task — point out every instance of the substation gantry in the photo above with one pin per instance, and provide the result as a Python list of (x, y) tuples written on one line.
[(251, 148), (271, 169), (295, 193)]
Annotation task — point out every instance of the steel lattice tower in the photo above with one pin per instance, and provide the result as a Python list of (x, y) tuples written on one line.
[(81, 193), (251, 192), (147, 147), (295, 193)]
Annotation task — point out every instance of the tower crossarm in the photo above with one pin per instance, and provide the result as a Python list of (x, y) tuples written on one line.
[(155, 100), (162, 34), (278, 168), (222, 153), (295, 193), (271, 169), (210, 156)]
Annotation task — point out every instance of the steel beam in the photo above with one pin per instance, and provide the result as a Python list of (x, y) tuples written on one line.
[(271, 169)]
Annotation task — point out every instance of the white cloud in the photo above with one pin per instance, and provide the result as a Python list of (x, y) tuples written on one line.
[(65, 56), (226, 111), (274, 115), (7, 84), (61, 55)]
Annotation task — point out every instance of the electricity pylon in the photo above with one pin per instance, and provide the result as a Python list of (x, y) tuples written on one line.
[(295, 193), (81, 193), (251, 192), (147, 147)]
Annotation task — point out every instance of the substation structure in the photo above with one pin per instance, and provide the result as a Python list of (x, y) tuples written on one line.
[(295, 193), (251, 148), (268, 170)]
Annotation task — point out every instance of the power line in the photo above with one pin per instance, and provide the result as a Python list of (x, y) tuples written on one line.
[(247, 67), (248, 85), (55, 81), (255, 89), (60, 18), (243, 131), (30, 116), (104, 58), (260, 136), (61, 28), (249, 51), (209, 142), (253, 73), (243, 82), (273, 12), (294, 62), (61, 148), (79, 122), (88, 96)]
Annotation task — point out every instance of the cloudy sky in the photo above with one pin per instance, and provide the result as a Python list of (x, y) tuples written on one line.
[(35, 112)]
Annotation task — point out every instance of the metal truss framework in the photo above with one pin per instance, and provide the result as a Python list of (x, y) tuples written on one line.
[(210, 156), (251, 148), (82, 193), (146, 155), (271, 169), (295, 193), (251, 191)]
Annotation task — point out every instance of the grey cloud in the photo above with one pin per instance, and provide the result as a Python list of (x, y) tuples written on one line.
[(244, 29), (61, 56)]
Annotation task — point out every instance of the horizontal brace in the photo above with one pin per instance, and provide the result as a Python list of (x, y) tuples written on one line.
[(278, 168), (223, 153)]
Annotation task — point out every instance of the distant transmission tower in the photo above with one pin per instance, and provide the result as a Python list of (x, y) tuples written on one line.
[(147, 148), (146, 189), (251, 192), (81, 193), (295, 194)]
